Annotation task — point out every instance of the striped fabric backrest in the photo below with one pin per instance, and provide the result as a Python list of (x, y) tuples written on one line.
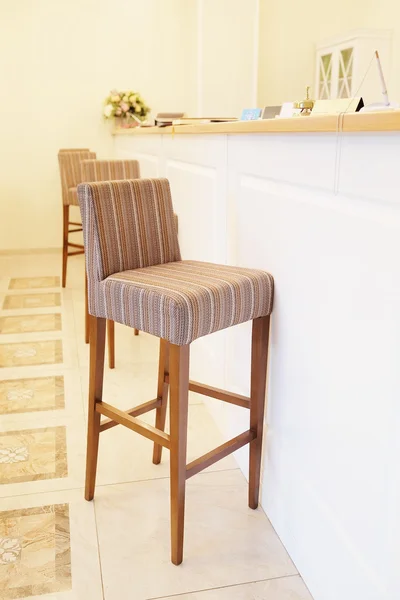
[(107, 170), (70, 169), (127, 225)]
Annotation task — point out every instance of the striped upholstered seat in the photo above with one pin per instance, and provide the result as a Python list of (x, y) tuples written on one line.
[(182, 301), (136, 276)]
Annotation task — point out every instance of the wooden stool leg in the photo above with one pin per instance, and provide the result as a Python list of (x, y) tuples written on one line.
[(86, 312), (97, 347), (111, 344), (65, 244), (259, 362), (162, 393), (179, 398), (136, 331)]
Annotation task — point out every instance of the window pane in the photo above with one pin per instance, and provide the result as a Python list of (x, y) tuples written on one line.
[(326, 61), (347, 56)]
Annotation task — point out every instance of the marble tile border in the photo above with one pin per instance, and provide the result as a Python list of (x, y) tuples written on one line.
[(69, 474), (31, 323), (31, 301), (23, 354), (29, 283), (61, 567), (84, 556), (21, 396), (20, 454)]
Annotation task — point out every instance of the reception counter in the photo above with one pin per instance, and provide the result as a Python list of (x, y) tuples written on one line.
[(315, 201)]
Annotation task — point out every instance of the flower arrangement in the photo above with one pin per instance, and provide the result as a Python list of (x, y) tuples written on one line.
[(125, 105)]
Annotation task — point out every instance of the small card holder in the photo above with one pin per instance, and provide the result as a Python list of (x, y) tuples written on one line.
[(250, 114)]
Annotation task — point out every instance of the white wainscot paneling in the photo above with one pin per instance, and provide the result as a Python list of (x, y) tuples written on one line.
[(147, 149), (369, 166), (307, 160), (197, 174), (333, 411)]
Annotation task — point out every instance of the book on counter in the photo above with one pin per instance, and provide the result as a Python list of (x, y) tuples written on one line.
[(165, 119)]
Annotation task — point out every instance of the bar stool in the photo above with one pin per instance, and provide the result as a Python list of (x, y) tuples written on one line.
[(93, 170), (136, 277), (69, 161)]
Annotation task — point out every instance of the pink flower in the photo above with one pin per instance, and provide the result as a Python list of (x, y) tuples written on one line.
[(124, 106)]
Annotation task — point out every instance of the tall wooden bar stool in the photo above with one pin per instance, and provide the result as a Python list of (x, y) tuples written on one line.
[(136, 277), (106, 170), (70, 173)]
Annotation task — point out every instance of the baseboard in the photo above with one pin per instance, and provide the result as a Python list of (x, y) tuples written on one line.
[(19, 251)]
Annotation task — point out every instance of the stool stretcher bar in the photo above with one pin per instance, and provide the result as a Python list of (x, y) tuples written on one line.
[(218, 394), (141, 409), (219, 453), (120, 416)]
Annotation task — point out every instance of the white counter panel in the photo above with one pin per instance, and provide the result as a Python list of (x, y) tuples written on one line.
[(321, 213)]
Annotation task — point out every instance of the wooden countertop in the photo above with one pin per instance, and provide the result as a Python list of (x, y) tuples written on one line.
[(350, 122)]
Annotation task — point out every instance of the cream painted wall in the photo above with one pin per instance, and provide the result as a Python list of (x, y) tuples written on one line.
[(290, 31), (227, 56), (58, 60)]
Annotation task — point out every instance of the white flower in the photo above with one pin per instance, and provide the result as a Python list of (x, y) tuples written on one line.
[(24, 353), (133, 98), (19, 394), (108, 110), (125, 98), (115, 98), (13, 455), (10, 550)]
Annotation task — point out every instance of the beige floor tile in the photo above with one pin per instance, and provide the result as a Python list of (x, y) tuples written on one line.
[(17, 301), (34, 458), (284, 588), (126, 456), (226, 542), (48, 548), (31, 353), (26, 283), (30, 323)]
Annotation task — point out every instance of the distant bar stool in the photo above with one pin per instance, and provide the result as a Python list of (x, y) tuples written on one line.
[(70, 173), (106, 170), (136, 277)]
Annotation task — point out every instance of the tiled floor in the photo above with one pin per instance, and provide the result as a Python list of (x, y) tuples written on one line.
[(54, 544)]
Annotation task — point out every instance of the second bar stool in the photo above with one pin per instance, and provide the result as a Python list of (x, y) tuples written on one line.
[(70, 172), (136, 277)]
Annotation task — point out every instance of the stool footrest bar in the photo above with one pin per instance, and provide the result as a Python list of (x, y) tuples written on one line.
[(76, 252), (218, 394), (74, 223), (74, 230), (136, 411), (75, 245), (218, 453), (122, 417)]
